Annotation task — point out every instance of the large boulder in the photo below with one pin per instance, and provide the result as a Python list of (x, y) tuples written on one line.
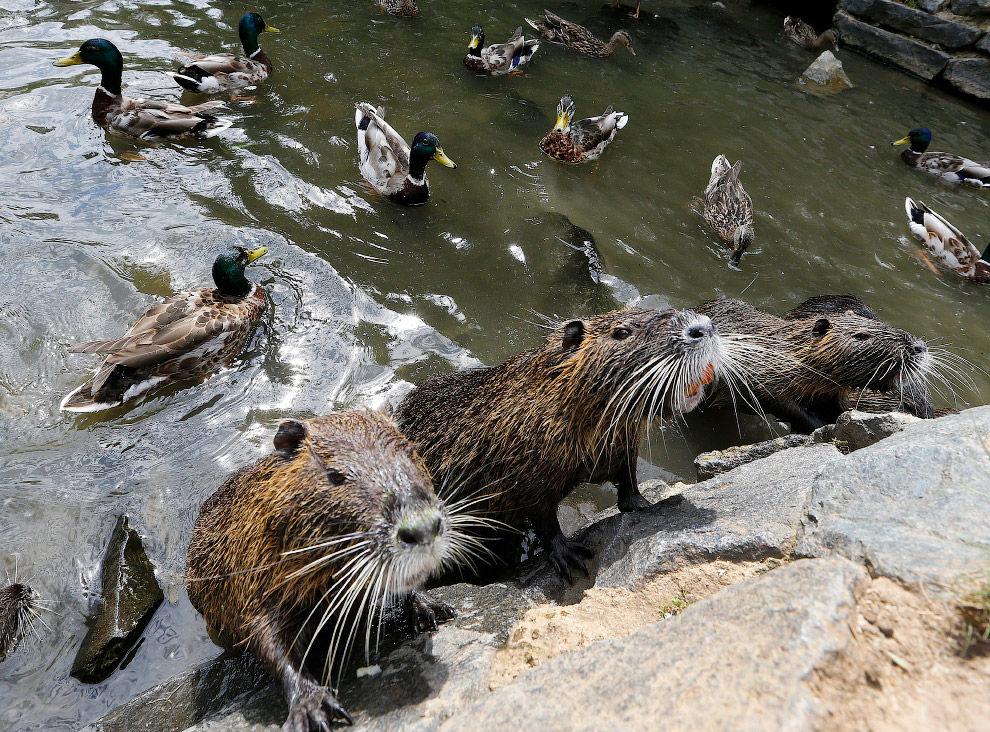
[(738, 661), (914, 507), (827, 71), (927, 27), (970, 76), (908, 54), (971, 7)]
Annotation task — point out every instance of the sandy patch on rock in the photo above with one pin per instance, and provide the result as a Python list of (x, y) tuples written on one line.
[(904, 669), (612, 612)]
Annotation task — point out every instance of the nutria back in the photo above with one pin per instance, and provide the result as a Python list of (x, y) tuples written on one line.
[(519, 437), (339, 520), (817, 354)]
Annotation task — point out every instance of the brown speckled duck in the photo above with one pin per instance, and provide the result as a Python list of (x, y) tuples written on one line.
[(947, 243), (954, 168), (805, 36), (401, 8), (727, 208), (189, 335), (499, 58), (577, 37), (583, 140)]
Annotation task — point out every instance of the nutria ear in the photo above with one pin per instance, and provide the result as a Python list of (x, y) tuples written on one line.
[(289, 437), (573, 335), (822, 326)]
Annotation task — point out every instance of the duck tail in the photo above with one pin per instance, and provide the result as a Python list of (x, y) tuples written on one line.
[(81, 399)]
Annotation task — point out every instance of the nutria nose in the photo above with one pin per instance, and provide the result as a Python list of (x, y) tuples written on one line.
[(918, 347), (699, 331), (421, 533)]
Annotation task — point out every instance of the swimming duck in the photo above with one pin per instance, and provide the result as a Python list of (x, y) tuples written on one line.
[(145, 119), (190, 334), (947, 243), (728, 208), (393, 168), (499, 58), (221, 71), (946, 165), (804, 35), (402, 8), (577, 37), (583, 140)]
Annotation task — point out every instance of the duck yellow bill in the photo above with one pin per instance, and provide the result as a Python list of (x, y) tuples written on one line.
[(72, 60), (902, 141), (441, 158), (271, 29), (474, 42), (255, 253), (561, 123)]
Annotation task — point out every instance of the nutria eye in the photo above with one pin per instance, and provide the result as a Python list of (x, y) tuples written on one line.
[(620, 334), (336, 477), (862, 336)]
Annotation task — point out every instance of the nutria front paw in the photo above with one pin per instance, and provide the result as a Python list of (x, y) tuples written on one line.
[(633, 502), (565, 555), (315, 709), (425, 613)]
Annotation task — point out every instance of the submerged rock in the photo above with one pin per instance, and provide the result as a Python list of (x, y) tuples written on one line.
[(130, 596), (827, 71)]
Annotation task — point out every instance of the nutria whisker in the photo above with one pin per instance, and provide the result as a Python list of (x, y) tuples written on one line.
[(324, 544), (332, 556)]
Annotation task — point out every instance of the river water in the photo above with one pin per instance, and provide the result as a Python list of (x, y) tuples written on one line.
[(366, 296)]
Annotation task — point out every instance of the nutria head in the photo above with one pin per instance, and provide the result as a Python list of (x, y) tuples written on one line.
[(831, 305), (854, 351), (641, 363)]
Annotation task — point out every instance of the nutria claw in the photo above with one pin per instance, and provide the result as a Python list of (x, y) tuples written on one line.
[(633, 502), (425, 613), (566, 554), (315, 709)]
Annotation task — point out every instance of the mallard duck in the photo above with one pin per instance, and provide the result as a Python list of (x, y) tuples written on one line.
[(947, 243), (583, 140), (221, 71), (188, 335), (804, 35), (402, 8), (946, 165), (577, 37), (145, 119), (393, 168), (499, 58), (727, 208)]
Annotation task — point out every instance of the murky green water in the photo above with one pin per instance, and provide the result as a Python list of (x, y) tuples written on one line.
[(366, 295)]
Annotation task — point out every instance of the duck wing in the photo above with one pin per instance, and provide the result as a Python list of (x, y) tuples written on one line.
[(149, 119), (384, 154)]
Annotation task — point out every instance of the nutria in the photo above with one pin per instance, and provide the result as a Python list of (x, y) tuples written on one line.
[(828, 346), (338, 522), (519, 437), (18, 610)]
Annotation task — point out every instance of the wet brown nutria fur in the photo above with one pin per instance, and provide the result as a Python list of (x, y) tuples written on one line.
[(521, 436), (828, 346), (340, 520), (17, 608)]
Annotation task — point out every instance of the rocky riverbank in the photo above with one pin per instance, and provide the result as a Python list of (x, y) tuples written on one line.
[(815, 587), (946, 41)]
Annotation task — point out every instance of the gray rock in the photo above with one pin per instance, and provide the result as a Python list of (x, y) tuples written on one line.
[(422, 680), (752, 512), (130, 596), (914, 507), (716, 462), (918, 23), (856, 430), (984, 44), (970, 76), (827, 71), (932, 6), (905, 53), (971, 7), (738, 660)]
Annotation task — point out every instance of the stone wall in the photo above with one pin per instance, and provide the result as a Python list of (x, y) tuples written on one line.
[(946, 41)]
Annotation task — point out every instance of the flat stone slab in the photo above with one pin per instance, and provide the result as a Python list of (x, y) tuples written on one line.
[(914, 507), (971, 7), (908, 54), (970, 76), (918, 23), (716, 462), (752, 512), (762, 641), (856, 430)]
